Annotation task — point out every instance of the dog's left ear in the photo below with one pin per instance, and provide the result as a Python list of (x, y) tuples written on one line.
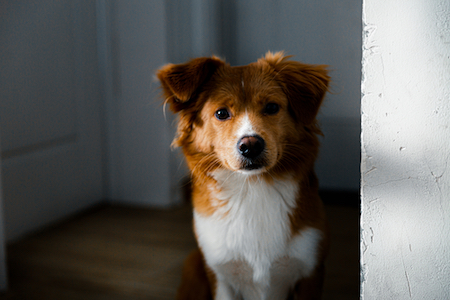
[(181, 83), (304, 85)]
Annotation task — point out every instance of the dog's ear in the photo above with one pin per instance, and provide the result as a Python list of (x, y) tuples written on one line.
[(181, 85), (181, 82), (304, 85)]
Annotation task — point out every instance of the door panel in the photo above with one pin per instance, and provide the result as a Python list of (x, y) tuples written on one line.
[(37, 78), (50, 119)]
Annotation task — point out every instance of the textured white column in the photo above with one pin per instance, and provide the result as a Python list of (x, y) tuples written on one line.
[(405, 246)]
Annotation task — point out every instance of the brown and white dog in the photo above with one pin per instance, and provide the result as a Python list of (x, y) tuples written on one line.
[(249, 134)]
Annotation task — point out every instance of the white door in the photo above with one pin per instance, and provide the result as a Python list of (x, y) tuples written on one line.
[(50, 112)]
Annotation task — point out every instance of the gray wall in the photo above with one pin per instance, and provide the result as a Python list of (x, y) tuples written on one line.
[(81, 118), (139, 137), (3, 267), (50, 118)]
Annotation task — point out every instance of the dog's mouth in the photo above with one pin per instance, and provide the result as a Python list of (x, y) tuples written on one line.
[(250, 165), (253, 166)]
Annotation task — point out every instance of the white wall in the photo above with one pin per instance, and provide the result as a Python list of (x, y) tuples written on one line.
[(405, 150)]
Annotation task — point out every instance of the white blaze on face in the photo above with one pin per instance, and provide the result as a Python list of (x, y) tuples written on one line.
[(246, 128)]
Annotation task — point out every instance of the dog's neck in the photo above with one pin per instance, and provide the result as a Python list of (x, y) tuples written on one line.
[(255, 217), (237, 188)]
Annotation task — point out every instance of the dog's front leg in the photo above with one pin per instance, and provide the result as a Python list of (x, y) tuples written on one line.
[(225, 292)]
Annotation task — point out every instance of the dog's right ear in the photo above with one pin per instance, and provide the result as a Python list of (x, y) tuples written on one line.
[(181, 83)]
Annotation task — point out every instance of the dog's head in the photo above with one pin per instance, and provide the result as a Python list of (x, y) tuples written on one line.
[(245, 119)]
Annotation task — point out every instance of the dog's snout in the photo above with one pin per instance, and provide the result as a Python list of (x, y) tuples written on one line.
[(251, 146)]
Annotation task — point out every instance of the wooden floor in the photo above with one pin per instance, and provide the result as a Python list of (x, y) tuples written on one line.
[(116, 252)]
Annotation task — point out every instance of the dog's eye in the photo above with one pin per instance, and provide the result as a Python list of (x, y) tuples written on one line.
[(271, 108), (222, 114)]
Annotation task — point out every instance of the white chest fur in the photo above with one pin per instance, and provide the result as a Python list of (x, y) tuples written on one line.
[(248, 241)]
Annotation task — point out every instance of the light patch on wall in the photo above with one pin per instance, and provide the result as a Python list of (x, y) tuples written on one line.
[(405, 119)]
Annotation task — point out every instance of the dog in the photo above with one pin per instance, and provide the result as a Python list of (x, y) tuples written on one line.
[(250, 138)]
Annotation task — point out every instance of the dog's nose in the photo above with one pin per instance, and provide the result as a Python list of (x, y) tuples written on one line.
[(251, 146)]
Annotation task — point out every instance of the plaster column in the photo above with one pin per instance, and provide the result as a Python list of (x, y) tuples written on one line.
[(405, 150)]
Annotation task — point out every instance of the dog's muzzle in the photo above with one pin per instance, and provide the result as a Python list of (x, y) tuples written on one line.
[(251, 149)]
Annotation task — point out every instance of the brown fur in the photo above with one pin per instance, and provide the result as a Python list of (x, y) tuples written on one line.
[(194, 275), (197, 89)]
